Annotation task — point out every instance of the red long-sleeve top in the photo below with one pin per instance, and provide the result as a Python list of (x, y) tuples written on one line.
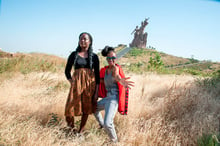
[(123, 92)]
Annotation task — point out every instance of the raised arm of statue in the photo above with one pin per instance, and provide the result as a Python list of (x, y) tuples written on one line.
[(145, 21), (135, 30)]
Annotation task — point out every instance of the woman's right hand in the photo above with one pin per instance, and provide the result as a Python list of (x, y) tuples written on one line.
[(70, 81)]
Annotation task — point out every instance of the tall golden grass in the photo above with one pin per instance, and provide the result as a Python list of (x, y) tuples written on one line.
[(163, 110)]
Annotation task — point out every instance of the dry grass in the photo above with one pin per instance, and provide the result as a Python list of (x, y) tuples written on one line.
[(34, 62), (163, 110)]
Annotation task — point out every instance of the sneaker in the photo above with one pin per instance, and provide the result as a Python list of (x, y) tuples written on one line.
[(114, 140)]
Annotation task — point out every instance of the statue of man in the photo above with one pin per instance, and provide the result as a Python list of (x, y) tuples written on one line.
[(140, 38), (135, 30)]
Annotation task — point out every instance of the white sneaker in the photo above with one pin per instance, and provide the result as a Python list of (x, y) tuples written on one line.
[(114, 140)]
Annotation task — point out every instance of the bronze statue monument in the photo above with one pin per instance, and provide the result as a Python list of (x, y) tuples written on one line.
[(140, 38)]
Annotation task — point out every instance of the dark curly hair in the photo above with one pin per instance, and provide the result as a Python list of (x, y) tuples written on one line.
[(106, 50), (90, 50)]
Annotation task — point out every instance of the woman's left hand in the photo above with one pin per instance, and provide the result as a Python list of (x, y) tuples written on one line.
[(126, 83), (95, 98), (94, 102)]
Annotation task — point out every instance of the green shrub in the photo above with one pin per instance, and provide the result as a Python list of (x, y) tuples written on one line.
[(208, 140), (192, 71), (192, 60), (212, 81), (54, 120), (155, 62), (136, 67)]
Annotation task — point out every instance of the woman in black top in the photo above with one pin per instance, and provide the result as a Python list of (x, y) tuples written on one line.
[(84, 82)]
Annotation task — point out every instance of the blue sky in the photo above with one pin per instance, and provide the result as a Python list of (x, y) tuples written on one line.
[(184, 28)]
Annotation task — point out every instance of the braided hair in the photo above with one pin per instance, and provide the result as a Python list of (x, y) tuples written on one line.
[(90, 50)]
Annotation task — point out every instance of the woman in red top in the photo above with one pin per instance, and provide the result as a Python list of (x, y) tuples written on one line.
[(113, 85)]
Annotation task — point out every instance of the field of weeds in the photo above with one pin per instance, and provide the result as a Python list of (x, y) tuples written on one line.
[(163, 110)]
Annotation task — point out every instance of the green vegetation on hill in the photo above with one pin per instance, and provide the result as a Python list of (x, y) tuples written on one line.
[(137, 60), (144, 60), (208, 140)]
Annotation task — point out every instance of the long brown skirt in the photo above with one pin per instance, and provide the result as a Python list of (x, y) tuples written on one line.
[(81, 92)]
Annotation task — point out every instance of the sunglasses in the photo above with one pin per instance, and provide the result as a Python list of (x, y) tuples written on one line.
[(110, 58)]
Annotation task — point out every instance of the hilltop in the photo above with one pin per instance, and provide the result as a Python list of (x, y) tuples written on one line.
[(138, 60)]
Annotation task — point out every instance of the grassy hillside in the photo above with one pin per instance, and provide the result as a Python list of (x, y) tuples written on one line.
[(164, 109), (145, 60), (27, 63), (137, 61)]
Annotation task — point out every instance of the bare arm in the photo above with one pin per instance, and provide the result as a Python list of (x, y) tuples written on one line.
[(123, 81), (115, 73)]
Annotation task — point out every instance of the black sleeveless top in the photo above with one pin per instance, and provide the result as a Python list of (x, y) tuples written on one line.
[(82, 63)]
